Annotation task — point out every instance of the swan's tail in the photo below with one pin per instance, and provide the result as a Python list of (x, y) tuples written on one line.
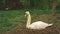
[(50, 24)]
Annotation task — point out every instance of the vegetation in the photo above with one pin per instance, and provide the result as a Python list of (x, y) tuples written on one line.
[(12, 18), (40, 10), (36, 4)]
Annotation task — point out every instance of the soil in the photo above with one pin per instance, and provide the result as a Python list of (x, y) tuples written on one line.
[(23, 30)]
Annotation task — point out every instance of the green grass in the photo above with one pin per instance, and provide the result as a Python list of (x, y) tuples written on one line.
[(12, 18)]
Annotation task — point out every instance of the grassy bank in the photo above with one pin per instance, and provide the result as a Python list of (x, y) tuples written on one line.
[(12, 18)]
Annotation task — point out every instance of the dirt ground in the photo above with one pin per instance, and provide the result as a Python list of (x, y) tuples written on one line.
[(23, 30)]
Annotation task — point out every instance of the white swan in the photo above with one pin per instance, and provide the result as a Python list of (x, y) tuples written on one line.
[(35, 25)]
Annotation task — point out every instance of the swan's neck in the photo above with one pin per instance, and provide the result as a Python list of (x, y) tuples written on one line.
[(28, 20)]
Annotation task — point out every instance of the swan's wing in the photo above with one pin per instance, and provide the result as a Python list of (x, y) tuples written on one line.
[(38, 25)]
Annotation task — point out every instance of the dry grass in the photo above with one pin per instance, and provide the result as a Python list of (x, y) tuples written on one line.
[(46, 18), (23, 30), (9, 21)]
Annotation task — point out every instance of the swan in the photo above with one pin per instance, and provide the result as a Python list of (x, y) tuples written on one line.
[(35, 25)]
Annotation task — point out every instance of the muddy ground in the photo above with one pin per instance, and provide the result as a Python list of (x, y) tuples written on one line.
[(23, 30)]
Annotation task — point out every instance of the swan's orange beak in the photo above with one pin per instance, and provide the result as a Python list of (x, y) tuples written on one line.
[(25, 15)]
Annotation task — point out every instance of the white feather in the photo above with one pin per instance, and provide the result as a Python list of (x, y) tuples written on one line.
[(39, 25), (35, 25)]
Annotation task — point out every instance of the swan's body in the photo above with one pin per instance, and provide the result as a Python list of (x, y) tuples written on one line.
[(38, 25), (35, 25)]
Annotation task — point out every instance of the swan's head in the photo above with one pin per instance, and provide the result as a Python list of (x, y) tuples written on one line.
[(27, 13)]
